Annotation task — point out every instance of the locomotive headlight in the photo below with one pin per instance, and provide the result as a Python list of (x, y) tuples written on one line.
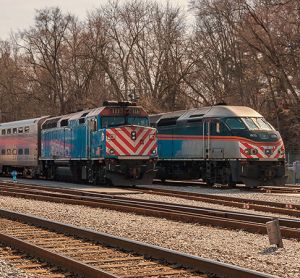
[(133, 135), (248, 151), (111, 151), (154, 151)]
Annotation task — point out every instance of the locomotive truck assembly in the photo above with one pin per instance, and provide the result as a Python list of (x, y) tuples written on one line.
[(219, 144), (112, 143)]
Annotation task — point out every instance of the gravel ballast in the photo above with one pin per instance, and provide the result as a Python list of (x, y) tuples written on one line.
[(235, 247), (9, 271)]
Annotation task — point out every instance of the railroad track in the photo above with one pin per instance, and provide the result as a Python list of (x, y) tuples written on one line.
[(257, 205), (261, 189), (8, 188), (88, 253), (289, 189), (184, 213), (31, 266)]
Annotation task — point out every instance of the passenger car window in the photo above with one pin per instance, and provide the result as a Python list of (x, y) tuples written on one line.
[(20, 151), (3, 132), (3, 151), (26, 151), (20, 130), (14, 152), (15, 130), (26, 129), (9, 151), (8, 131)]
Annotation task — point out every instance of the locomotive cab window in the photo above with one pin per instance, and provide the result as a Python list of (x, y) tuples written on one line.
[(257, 124), (115, 121), (235, 123)]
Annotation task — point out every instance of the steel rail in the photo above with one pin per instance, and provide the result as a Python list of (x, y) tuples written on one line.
[(165, 192), (217, 198), (289, 209), (194, 263), (293, 223), (189, 214), (64, 262), (261, 189)]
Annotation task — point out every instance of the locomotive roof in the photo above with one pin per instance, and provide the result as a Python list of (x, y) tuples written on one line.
[(224, 111), (208, 112), (21, 123), (83, 114), (79, 114)]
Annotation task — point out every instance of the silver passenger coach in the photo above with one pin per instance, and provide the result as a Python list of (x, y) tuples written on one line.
[(19, 145)]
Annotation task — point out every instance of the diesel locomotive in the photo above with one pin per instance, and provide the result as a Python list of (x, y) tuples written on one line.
[(219, 144), (113, 143)]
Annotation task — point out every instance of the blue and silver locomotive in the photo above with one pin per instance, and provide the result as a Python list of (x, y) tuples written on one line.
[(219, 144), (111, 143)]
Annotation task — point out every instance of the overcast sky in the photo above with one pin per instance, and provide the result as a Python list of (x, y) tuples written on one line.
[(17, 15)]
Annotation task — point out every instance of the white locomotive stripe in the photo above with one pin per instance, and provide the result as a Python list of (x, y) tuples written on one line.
[(143, 145), (128, 139), (146, 151), (141, 137), (148, 144), (129, 142), (277, 150), (125, 144), (122, 142), (116, 148), (138, 139)]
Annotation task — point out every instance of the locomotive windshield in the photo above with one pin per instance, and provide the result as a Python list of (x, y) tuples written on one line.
[(114, 121), (248, 123), (257, 124)]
